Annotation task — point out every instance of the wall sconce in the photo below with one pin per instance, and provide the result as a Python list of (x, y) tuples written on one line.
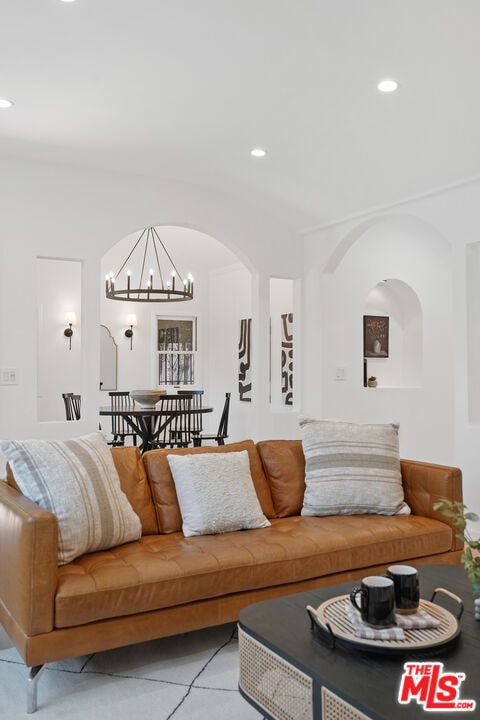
[(132, 321), (71, 319)]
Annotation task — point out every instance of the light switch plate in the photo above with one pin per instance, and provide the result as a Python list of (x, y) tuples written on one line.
[(340, 372), (8, 376)]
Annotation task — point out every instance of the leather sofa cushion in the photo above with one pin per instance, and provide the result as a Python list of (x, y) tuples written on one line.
[(170, 570), (133, 481), (163, 488), (284, 466)]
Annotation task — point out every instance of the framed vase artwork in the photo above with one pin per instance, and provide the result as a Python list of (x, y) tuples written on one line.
[(375, 336)]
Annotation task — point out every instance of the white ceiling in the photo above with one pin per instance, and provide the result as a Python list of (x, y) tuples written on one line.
[(183, 89)]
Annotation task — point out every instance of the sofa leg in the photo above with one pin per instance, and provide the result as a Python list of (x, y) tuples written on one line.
[(33, 678)]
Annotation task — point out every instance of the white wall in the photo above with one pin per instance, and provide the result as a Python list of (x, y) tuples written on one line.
[(62, 212), (422, 243), (72, 213), (394, 247)]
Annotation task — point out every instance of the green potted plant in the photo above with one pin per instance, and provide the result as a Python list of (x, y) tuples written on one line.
[(372, 381), (459, 516)]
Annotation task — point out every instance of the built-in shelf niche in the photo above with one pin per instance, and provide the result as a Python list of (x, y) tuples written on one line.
[(403, 367)]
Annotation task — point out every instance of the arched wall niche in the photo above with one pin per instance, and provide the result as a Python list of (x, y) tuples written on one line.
[(396, 300), (415, 260), (339, 280)]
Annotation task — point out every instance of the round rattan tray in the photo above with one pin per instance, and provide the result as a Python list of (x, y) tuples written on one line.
[(332, 623)]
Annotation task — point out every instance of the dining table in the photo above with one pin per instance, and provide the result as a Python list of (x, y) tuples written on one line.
[(149, 423)]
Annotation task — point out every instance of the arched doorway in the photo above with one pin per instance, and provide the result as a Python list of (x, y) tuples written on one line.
[(222, 297)]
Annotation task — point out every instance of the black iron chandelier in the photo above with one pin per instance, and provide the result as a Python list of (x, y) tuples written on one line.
[(149, 247)]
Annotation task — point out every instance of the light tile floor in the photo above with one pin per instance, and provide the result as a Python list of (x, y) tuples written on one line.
[(188, 677)]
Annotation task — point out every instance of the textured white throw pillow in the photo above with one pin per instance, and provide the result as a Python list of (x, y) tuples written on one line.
[(351, 469), (216, 493), (77, 481)]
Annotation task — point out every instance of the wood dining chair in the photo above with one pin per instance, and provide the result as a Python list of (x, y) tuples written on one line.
[(222, 433), (121, 400), (196, 419), (174, 432), (72, 406)]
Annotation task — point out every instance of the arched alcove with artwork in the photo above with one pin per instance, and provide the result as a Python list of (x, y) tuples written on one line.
[(415, 381), (393, 331)]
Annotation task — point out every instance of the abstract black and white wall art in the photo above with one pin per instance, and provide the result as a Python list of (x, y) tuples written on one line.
[(287, 358), (244, 361)]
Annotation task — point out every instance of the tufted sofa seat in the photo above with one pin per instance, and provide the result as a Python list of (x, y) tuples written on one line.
[(167, 583)]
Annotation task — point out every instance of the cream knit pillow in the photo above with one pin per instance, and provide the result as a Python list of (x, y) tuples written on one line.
[(216, 493)]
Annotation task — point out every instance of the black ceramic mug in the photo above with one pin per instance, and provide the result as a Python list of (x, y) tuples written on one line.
[(407, 589), (377, 604)]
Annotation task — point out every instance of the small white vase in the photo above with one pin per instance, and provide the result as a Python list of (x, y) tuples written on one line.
[(377, 347)]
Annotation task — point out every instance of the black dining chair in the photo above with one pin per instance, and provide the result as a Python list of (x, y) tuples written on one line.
[(174, 432), (196, 419), (72, 406), (121, 400), (222, 433)]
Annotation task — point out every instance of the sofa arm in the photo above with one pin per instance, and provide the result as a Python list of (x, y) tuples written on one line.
[(28, 562), (425, 483)]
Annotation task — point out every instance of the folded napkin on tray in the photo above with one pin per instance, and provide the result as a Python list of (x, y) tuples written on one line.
[(363, 630), (416, 621)]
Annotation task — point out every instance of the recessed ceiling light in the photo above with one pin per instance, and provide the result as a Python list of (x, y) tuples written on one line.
[(67, 0), (258, 152), (387, 86), (4, 103)]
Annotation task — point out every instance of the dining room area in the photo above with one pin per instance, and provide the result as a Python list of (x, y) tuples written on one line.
[(154, 419), (171, 373)]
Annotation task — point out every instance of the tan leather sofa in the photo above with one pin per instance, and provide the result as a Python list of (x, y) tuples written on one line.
[(166, 583)]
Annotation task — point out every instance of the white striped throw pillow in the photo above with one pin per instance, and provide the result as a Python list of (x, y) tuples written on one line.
[(351, 468), (78, 482)]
